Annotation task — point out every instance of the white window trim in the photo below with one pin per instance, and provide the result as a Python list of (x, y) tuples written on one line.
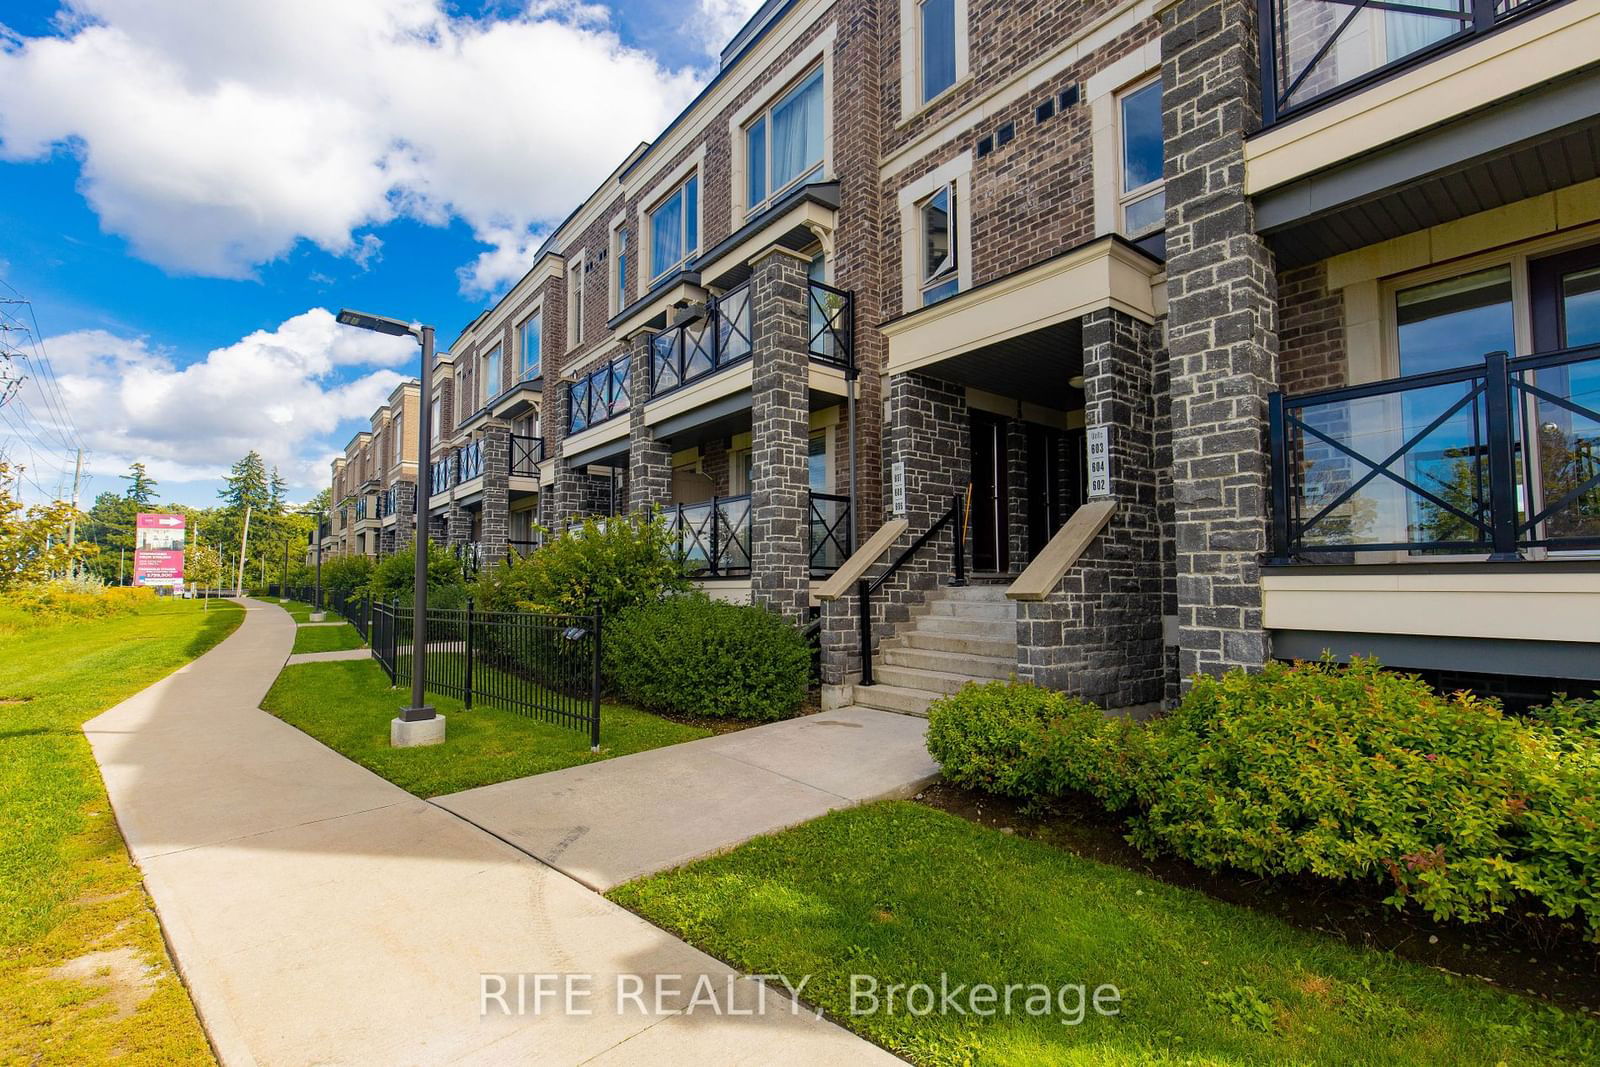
[(1133, 196), (486, 389), (618, 287), (575, 266), (957, 172), (781, 81), (670, 181), (911, 102), (536, 309), (1104, 91)]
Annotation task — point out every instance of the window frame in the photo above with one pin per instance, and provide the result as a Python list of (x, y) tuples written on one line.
[(575, 300), (1131, 197), (536, 315), (818, 171), (619, 270), (912, 100), (397, 432), (930, 281), (690, 234), (489, 386), (924, 98)]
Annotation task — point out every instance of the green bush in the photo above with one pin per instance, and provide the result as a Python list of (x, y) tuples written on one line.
[(350, 574), (696, 656), (623, 563), (1030, 743), (394, 577), (1570, 713)]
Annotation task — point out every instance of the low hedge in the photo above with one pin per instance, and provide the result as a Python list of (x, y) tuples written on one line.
[(692, 655), (1346, 773)]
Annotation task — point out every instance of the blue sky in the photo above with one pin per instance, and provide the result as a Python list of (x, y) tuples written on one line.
[(180, 195)]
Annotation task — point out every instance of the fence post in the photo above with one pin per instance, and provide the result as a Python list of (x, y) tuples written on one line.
[(468, 685), (863, 594), (594, 707), (1502, 467)]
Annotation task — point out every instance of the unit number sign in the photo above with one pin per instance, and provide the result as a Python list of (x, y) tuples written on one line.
[(1099, 447)]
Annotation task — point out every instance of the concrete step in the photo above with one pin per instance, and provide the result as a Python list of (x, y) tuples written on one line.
[(922, 659), (974, 609), (989, 629), (940, 682), (964, 644), (895, 698), (992, 591)]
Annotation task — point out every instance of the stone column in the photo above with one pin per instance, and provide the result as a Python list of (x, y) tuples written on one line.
[(649, 460), (405, 510), (1098, 635), (780, 572), (1017, 495), (495, 525), (565, 500), (1222, 321)]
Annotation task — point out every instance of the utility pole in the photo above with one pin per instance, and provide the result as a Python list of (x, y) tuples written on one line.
[(72, 527), (244, 541)]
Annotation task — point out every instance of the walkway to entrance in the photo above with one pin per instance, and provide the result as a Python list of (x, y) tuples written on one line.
[(321, 915)]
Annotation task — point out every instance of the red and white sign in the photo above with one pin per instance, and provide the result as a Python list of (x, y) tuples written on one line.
[(158, 549)]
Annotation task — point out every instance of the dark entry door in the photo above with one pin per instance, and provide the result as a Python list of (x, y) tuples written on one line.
[(1055, 489), (990, 543)]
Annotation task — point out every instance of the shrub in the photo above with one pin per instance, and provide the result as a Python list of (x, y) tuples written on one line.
[(351, 574), (394, 577), (696, 656), (1570, 713), (80, 598), (624, 563), (1030, 743)]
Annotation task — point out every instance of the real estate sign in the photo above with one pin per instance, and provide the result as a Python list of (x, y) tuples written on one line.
[(158, 549)]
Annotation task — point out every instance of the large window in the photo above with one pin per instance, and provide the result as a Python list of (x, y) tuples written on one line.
[(783, 147), (491, 374), (936, 24), (937, 218), (1455, 322), (433, 421), (530, 342), (619, 274), (675, 228), (575, 284), (396, 429), (1140, 190)]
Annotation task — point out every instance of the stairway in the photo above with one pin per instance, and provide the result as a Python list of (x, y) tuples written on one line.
[(962, 634)]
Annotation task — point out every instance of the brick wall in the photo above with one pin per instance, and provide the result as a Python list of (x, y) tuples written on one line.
[(1311, 349)]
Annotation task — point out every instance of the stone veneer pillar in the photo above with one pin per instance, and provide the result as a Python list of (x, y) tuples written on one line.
[(649, 460), (405, 510), (494, 528), (565, 500), (780, 571), (1098, 635), (1222, 326)]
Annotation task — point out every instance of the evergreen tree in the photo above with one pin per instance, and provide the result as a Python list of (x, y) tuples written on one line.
[(247, 486), (279, 492), (141, 487)]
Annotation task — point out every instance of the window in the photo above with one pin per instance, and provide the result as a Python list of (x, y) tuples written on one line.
[(1140, 190), (936, 22), (433, 421), (531, 342), (491, 374), (783, 147), (819, 477), (575, 283), (675, 228), (1454, 322), (396, 429), (619, 256), (937, 216)]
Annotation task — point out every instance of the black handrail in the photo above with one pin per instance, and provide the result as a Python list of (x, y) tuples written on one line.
[(866, 587)]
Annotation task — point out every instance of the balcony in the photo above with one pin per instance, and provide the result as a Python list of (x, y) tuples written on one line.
[(1499, 460), (526, 455), (469, 462), (386, 503), (715, 536), (439, 475), (599, 396)]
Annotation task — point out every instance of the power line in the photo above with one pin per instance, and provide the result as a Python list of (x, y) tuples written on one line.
[(36, 432)]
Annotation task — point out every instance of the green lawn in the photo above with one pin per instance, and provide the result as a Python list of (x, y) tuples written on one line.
[(902, 892), (348, 705), (297, 609), (67, 886), (327, 638)]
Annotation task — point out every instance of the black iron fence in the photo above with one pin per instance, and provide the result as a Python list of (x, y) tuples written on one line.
[(526, 455), (713, 536), (439, 475), (600, 395), (1494, 458), (543, 666), (1314, 50)]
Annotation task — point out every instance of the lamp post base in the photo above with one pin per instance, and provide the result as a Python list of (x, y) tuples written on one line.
[(318, 616), (415, 733)]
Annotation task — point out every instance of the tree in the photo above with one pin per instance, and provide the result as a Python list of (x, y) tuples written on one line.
[(141, 487), (110, 525), (33, 540), (278, 490), (247, 486), (202, 567), (320, 504)]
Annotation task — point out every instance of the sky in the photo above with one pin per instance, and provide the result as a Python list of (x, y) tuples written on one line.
[(189, 192)]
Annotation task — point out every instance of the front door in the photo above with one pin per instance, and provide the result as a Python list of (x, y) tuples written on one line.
[(1055, 486), (990, 543)]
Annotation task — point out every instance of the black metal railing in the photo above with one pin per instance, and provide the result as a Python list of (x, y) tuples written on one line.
[(439, 475), (523, 548), (386, 502), (833, 325), (1494, 458), (469, 555), (598, 396), (543, 666), (690, 350), (865, 587), (829, 534), (469, 462), (526, 455), (1313, 50), (713, 536), (361, 507)]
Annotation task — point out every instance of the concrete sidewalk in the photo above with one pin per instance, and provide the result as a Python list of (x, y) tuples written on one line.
[(321, 915), (328, 657), (608, 822)]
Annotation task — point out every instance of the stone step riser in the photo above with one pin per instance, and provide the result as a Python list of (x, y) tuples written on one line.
[(987, 629), (975, 646), (1004, 611), (929, 681), (892, 698), (985, 668)]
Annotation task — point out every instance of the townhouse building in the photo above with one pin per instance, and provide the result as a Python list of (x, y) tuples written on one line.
[(1090, 344), (374, 484)]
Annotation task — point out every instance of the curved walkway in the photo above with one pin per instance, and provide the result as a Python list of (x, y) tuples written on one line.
[(322, 915)]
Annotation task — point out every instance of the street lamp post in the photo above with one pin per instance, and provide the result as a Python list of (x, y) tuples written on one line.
[(418, 724), (317, 614)]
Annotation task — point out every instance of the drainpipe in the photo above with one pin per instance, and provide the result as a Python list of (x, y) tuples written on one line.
[(850, 406)]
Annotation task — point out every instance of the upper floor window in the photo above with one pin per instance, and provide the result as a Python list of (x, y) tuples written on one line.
[(575, 285), (433, 420), (396, 431), (530, 341), (675, 228), (491, 374), (937, 217), (783, 146), (1141, 194), (936, 30), (619, 279)]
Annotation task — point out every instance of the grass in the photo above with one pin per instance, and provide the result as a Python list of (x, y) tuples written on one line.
[(67, 886), (348, 705), (327, 638), (298, 610), (904, 893)]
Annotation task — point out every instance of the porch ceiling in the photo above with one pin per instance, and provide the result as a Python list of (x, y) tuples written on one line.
[(1034, 366)]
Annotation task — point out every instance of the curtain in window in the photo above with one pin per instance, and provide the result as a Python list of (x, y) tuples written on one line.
[(755, 161), (666, 234), (797, 132), (1406, 33), (938, 47)]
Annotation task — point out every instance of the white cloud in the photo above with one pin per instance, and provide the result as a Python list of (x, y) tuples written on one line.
[(215, 136), (282, 392), (719, 20)]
